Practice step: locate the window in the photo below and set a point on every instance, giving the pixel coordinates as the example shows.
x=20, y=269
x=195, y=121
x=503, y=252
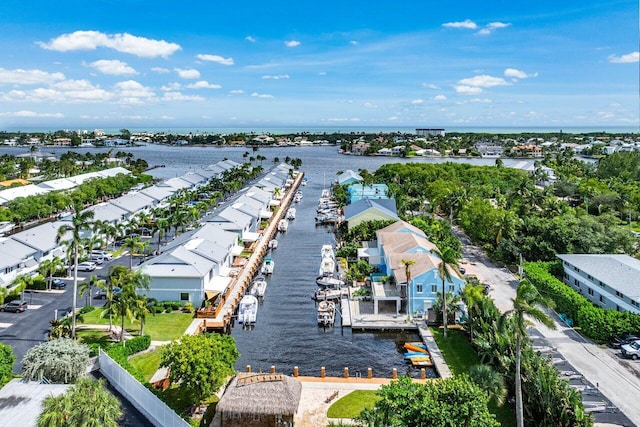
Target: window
x=434, y=289
x=619, y=295
x=576, y=283
x=601, y=298
x=635, y=303
x=600, y=283
x=590, y=291
x=184, y=296
x=419, y=288
x=451, y=288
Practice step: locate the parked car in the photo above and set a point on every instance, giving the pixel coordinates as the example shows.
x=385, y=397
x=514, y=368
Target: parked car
x=87, y=266
x=97, y=259
x=104, y=254
x=15, y=306
x=58, y=284
x=102, y=294
x=631, y=350
x=622, y=339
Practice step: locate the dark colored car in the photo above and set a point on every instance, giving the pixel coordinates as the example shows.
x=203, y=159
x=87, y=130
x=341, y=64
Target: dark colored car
x=58, y=284
x=15, y=306
x=622, y=339
x=102, y=294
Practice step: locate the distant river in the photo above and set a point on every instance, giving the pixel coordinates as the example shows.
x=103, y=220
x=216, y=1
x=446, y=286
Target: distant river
x=287, y=334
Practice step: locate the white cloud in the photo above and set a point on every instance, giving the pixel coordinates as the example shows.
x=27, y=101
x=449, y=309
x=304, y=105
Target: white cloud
x=354, y=43
x=164, y=117
x=481, y=100
x=322, y=73
x=215, y=58
x=518, y=74
x=160, y=70
x=491, y=27
x=261, y=95
x=67, y=91
x=250, y=39
x=177, y=96
x=113, y=67
x=370, y=105
x=171, y=87
x=133, y=92
x=483, y=81
x=25, y=113
x=467, y=23
x=393, y=118
x=292, y=43
x=28, y=77
x=439, y=98
x=430, y=86
x=236, y=91
x=203, y=84
x=276, y=77
x=187, y=73
x=344, y=119
x=467, y=90
x=625, y=59
x=417, y=101
x=127, y=43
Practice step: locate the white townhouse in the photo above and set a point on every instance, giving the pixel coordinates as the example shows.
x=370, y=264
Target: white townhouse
x=194, y=268
x=42, y=238
x=608, y=280
x=159, y=194
x=133, y=203
x=106, y=212
x=15, y=259
x=264, y=197
x=233, y=220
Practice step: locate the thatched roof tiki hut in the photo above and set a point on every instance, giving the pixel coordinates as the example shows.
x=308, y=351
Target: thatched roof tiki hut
x=266, y=400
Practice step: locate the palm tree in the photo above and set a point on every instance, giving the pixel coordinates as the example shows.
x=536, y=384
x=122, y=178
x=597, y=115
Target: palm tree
x=81, y=221
x=125, y=305
x=56, y=411
x=141, y=310
x=472, y=294
x=491, y=381
x=407, y=272
x=528, y=302
x=49, y=267
x=448, y=265
x=133, y=244
x=86, y=287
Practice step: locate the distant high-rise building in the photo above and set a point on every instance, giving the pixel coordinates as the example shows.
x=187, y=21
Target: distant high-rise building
x=430, y=132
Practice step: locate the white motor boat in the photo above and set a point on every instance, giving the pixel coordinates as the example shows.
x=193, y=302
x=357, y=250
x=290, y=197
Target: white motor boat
x=327, y=267
x=273, y=244
x=248, y=310
x=327, y=251
x=291, y=214
x=283, y=225
x=328, y=282
x=326, y=313
x=267, y=266
x=258, y=287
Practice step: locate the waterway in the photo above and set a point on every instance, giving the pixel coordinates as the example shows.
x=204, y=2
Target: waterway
x=286, y=333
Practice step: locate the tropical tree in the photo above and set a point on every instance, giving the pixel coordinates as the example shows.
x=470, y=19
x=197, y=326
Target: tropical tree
x=407, y=263
x=49, y=267
x=126, y=304
x=60, y=361
x=88, y=403
x=200, y=363
x=527, y=303
x=446, y=268
x=86, y=287
x=472, y=294
x=7, y=359
x=491, y=381
x=133, y=244
x=80, y=222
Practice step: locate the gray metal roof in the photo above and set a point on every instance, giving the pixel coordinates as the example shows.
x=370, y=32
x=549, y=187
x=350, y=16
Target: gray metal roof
x=229, y=214
x=621, y=272
x=133, y=202
x=107, y=212
x=385, y=206
x=12, y=249
x=158, y=193
x=41, y=237
x=22, y=402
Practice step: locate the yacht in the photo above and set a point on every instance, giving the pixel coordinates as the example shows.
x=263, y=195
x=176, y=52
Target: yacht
x=248, y=310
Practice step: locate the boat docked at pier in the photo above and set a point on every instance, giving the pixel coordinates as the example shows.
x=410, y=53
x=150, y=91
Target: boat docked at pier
x=291, y=214
x=327, y=267
x=327, y=282
x=267, y=266
x=297, y=197
x=326, y=313
x=273, y=244
x=248, y=310
x=258, y=287
x=327, y=251
x=329, y=294
x=283, y=225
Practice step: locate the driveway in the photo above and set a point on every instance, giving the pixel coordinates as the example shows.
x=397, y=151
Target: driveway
x=615, y=378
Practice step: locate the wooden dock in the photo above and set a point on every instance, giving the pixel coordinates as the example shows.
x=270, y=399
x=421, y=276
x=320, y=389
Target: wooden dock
x=220, y=319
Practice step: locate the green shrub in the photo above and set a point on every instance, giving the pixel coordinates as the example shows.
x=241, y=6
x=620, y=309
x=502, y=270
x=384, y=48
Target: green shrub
x=38, y=283
x=87, y=309
x=157, y=309
x=7, y=359
x=597, y=323
x=169, y=309
x=138, y=344
x=176, y=305
x=60, y=361
x=188, y=307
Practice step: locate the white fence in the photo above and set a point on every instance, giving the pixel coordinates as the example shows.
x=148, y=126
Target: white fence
x=154, y=409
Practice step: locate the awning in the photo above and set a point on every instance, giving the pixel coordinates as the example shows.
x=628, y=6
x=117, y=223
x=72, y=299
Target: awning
x=209, y=295
x=28, y=263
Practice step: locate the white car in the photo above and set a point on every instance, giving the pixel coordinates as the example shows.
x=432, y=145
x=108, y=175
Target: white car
x=104, y=254
x=87, y=266
x=631, y=350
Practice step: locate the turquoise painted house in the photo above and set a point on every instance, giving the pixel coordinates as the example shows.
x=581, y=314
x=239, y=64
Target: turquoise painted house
x=402, y=241
x=373, y=191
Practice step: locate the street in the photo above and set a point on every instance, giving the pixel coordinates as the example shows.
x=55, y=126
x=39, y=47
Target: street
x=617, y=379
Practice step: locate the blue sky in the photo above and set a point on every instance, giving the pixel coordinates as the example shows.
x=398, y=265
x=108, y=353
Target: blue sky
x=204, y=64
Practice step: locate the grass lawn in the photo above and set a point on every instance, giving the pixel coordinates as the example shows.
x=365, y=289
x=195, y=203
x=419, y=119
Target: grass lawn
x=161, y=327
x=148, y=363
x=460, y=356
x=352, y=404
x=91, y=336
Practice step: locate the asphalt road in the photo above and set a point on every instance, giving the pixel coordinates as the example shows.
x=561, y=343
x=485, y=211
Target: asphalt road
x=617, y=379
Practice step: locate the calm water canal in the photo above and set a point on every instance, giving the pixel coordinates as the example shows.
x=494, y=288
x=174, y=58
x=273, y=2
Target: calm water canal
x=286, y=333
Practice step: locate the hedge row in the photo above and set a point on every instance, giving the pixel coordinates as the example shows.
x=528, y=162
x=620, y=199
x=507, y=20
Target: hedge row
x=120, y=353
x=597, y=323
